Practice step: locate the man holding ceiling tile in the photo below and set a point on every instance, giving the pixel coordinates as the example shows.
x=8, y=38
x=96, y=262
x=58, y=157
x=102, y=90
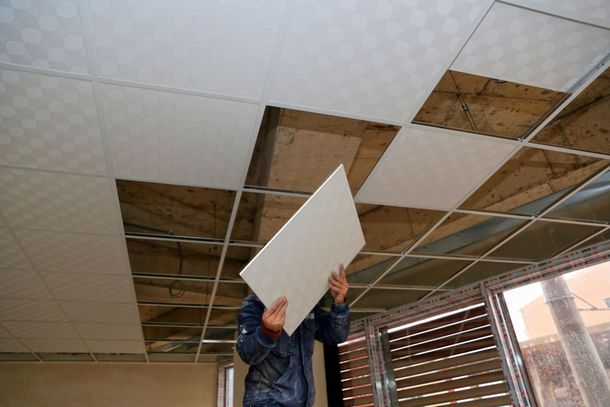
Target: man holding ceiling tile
x=280, y=371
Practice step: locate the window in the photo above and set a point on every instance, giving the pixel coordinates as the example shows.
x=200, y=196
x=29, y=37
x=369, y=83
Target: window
x=562, y=327
x=448, y=358
x=225, y=385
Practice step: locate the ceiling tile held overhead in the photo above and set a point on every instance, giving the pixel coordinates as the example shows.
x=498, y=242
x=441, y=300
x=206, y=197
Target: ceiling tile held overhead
x=490, y=106
x=49, y=122
x=532, y=48
x=43, y=34
x=182, y=139
x=11, y=256
x=214, y=46
x=59, y=202
x=433, y=169
x=371, y=59
x=22, y=284
x=77, y=253
x=584, y=124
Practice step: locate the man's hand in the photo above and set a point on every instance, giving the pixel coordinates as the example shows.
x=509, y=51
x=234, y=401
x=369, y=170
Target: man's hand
x=338, y=285
x=274, y=317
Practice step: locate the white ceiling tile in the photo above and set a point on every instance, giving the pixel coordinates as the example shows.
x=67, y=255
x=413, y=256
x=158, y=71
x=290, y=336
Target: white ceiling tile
x=114, y=332
x=11, y=256
x=49, y=122
x=90, y=287
x=10, y=345
x=70, y=252
x=62, y=202
x=428, y=168
x=44, y=34
x=27, y=310
x=524, y=46
x=162, y=136
x=599, y=9
x=378, y=59
x=101, y=313
x=97, y=346
x=214, y=45
x=55, y=345
x=22, y=284
x=48, y=330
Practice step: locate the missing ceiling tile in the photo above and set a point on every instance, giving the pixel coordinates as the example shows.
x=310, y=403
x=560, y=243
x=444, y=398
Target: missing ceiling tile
x=584, y=124
x=296, y=150
x=475, y=103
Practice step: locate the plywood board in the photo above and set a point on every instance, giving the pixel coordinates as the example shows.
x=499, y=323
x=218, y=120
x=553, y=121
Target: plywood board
x=297, y=261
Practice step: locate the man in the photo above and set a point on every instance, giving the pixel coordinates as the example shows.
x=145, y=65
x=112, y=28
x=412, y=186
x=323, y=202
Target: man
x=280, y=371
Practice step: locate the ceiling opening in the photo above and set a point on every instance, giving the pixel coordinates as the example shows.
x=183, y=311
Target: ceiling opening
x=490, y=106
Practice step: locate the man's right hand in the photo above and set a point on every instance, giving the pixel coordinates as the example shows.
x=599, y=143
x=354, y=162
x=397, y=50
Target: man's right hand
x=274, y=317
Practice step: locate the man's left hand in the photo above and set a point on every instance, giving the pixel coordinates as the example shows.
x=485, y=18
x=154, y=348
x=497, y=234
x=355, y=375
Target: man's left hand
x=337, y=282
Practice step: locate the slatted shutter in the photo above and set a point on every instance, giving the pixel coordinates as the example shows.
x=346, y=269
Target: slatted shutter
x=355, y=373
x=447, y=359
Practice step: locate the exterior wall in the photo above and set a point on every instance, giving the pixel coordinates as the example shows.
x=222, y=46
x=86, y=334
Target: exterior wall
x=105, y=384
x=319, y=376
x=593, y=285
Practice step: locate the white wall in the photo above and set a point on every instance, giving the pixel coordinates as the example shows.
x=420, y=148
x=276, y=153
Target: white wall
x=106, y=384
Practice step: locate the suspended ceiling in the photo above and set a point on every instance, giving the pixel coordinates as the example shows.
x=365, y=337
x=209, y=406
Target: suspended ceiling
x=147, y=152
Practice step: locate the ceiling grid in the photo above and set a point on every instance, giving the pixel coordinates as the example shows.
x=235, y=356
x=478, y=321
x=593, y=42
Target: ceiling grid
x=81, y=62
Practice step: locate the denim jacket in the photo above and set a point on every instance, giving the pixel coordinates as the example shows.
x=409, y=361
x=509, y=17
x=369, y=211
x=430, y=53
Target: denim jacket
x=271, y=360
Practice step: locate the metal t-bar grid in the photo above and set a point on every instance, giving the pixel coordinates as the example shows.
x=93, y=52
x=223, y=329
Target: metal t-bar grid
x=262, y=105
x=576, y=90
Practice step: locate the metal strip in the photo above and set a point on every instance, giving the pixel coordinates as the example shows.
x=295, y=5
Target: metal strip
x=376, y=369
x=505, y=350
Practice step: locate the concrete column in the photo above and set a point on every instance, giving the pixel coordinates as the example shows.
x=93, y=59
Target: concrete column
x=586, y=365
